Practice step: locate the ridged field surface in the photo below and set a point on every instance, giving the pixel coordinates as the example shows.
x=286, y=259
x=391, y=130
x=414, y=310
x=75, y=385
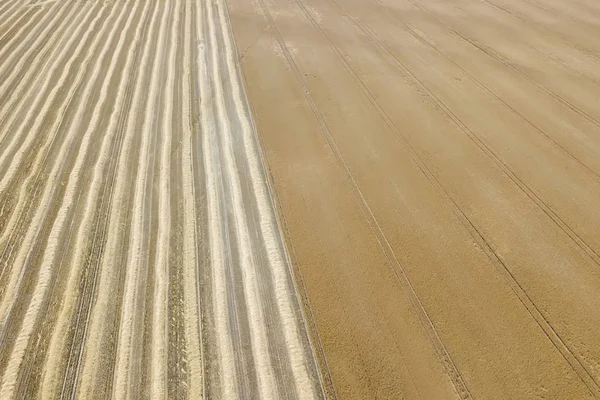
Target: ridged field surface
x=140, y=254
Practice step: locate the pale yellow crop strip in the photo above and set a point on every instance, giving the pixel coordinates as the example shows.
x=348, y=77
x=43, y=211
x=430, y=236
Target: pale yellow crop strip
x=247, y=264
x=8, y=299
x=35, y=70
x=226, y=362
x=16, y=358
x=38, y=31
x=160, y=337
x=130, y=318
x=109, y=268
x=53, y=371
x=19, y=100
x=194, y=361
x=7, y=7
x=271, y=234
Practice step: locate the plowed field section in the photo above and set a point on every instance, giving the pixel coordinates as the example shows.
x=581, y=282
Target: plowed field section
x=437, y=170
x=140, y=252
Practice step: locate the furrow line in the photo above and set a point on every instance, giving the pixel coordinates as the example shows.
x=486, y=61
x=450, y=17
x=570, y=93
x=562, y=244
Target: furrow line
x=57, y=287
x=317, y=348
x=7, y=8
x=59, y=74
x=142, y=375
x=70, y=195
x=96, y=252
x=176, y=368
x=247, y=261
x=17, y=225
x=159, y=341
x=37, y=31
x=589, y=54
x=237, y=305
x=19, y=20
x=104, y=311
x=218, y=261
x=274, y=335
x=587, y=51
x=19, y=89
x=483, y=86
x=39, y=98
x=272, y=236
x=130, y=326
x=90, y=137
x=194, y=352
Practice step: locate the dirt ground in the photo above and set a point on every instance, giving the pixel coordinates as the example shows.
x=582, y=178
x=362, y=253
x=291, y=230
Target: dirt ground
x=437, y=171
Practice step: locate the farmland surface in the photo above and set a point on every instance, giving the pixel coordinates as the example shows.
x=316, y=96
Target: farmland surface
x=437, y=169
x=140, y=254
x=299, y=199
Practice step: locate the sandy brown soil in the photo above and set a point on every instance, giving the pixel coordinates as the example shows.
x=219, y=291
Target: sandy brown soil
x=437, y=169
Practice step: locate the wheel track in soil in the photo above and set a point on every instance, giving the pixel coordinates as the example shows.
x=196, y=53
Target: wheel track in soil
x=573, y=359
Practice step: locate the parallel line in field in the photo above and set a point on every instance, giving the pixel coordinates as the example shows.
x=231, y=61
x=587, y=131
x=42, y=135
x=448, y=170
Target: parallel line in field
x=325, y=377
x=37, y=31
x=176, y=385
x=271, y=234
x=159, y=342
x=7, y=10
x=492, y=53
x=16, y=25
x=534, y=311
x=593, y=255
x=574, y=360
x=90, y=136
x=194, y=357
x=19, y=89
x=586, y=53
x=449, y=365
x=218, y=259
x=130, y=326
x=65, y=272
x=96, y=254
x=258, y=339
x=483, y=86
x=34, y=121
x=43, y=275
x=143, y=385
x=86, y=262
x=109, y=283
x=17, y=226
x=254, y=300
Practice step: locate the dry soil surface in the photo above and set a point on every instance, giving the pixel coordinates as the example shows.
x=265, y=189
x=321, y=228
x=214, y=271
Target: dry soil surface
x=437, y=170
x=140, y=253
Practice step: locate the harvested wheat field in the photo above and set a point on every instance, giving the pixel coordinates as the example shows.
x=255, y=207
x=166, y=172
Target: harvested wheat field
x=299, y=199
